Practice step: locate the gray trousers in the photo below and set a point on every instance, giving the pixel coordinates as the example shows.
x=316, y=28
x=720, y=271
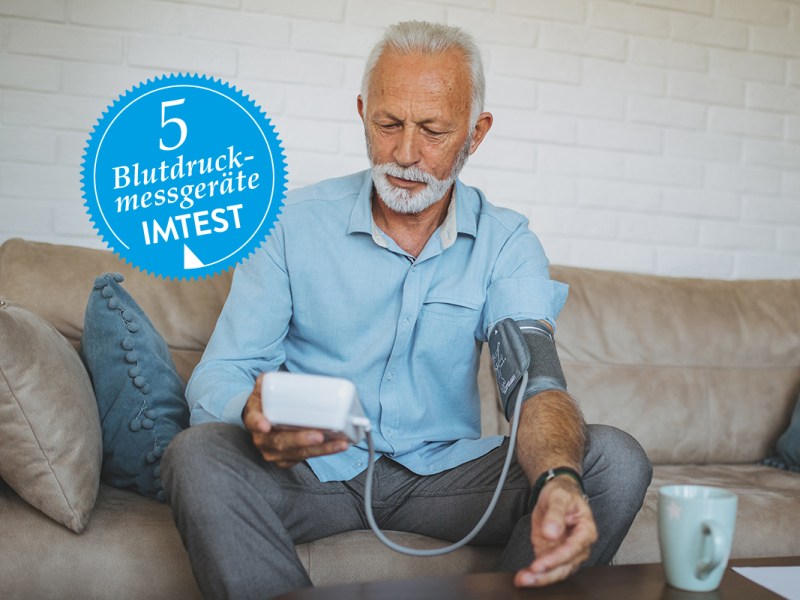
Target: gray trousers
x=240, y=517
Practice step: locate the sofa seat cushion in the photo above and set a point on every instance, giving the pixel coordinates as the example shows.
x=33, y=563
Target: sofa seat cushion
x=130, y=550
x=132, y=547
x=767, y=515
x=357, y=556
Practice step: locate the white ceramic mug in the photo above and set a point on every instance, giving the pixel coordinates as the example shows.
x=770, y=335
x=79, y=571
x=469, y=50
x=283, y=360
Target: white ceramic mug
x=695, y=531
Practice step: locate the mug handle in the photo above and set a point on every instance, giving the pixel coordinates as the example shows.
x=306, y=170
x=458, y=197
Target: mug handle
x=709, y=563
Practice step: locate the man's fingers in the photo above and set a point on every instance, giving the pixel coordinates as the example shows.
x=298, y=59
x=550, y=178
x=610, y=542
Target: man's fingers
x=297, y=454
x=256, y=422
x=573, y=550
x=253, y=414
x=571, y=553
x=286, y=440
x=558, y=564
x=553, y=524
x=554, y=520
x=527, y=578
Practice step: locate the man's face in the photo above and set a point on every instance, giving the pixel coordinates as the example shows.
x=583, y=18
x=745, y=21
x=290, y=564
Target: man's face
x=417, y=127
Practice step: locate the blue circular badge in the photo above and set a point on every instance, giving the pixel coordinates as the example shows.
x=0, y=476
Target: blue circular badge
x=184, y=176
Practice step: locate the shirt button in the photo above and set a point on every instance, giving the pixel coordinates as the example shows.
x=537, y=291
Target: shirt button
x=413, y=267
x=390, y=376
x=389, y=434
x=406, y=322
x=359, y=465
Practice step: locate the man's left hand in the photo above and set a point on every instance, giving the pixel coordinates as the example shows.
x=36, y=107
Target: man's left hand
x=562, y=534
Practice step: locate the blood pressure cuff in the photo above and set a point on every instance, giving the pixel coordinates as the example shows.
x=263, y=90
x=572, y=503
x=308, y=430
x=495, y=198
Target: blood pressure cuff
x=524, y=346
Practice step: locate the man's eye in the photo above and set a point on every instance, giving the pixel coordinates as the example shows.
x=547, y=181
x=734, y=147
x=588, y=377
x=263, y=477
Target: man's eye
x=433, y=133
x=388, y=126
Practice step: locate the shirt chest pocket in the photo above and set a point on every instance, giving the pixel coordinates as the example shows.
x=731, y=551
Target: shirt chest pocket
x=450, y=308
x=448, y=321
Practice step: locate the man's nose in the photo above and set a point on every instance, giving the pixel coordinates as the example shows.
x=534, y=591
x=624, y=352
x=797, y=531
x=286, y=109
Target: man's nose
x=407, y=151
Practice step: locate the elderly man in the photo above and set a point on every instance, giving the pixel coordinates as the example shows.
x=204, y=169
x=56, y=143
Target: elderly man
x=392, y=278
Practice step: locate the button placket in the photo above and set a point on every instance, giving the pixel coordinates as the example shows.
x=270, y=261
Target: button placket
x=390, y=413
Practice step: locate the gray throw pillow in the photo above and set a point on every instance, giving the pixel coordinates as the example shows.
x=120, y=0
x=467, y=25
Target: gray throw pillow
x=50, y=448
x=139, y=394
x=787, y=450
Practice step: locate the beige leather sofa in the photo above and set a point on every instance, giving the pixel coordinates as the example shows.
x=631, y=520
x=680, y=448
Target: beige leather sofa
x=703, y=373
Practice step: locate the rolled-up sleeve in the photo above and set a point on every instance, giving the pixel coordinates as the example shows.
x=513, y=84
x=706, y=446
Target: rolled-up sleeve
x=248, y=338
x=521, y=287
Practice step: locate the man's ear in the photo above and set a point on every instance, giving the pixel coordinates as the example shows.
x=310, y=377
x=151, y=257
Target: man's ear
x=360, y=104
x=482, y=127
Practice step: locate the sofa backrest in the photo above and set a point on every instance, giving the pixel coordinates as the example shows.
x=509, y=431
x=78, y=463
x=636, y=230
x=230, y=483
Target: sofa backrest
x=54, y=281
x=697, y=370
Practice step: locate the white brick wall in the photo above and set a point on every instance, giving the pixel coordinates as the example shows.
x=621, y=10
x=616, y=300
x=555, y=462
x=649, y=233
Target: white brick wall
x=580, y=39
x=658, y=136
x=668, y=54
x=541, y=65
x=631, y=19
x=58, y=42
x=43, y=10
x=318, y=10
x=143, y=16
x=709, y=31
x=746, y=66
x=546, y=10
x=767, y=12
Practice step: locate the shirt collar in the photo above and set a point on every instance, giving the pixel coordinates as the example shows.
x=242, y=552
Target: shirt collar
x=361, y=215
x=460, y=218
x=466, y=210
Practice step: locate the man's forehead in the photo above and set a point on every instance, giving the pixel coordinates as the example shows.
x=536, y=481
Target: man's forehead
x=423, y=79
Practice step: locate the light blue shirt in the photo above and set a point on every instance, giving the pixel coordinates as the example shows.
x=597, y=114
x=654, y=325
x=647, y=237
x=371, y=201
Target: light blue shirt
x=328, y=293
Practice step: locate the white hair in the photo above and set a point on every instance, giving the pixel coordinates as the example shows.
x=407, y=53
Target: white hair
x=411, y=37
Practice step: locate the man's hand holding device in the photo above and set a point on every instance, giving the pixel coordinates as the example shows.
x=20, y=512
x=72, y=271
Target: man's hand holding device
x=282, y=444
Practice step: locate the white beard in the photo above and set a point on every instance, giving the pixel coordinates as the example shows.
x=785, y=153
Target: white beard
x=404, y=201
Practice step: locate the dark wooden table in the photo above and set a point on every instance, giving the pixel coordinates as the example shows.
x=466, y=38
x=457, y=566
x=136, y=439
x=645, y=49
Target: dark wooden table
x=635, y=582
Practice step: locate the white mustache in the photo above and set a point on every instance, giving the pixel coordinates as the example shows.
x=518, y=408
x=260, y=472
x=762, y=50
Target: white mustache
x=412, y=173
